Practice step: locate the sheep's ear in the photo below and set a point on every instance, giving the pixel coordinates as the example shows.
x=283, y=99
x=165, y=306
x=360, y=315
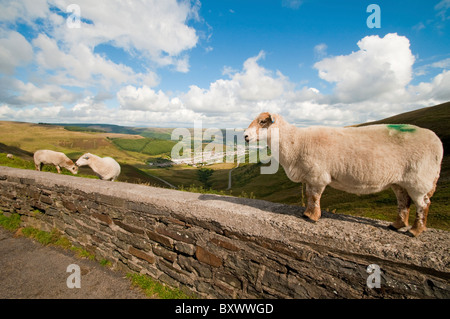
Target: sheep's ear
x=270, y=119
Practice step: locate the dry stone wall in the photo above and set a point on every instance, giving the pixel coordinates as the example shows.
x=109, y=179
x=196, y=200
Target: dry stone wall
x=225, y=247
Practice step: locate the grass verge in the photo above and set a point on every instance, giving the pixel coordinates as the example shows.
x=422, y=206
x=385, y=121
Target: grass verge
x=154, y=289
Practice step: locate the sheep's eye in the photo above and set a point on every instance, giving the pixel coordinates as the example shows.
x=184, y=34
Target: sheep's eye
x=86, y=157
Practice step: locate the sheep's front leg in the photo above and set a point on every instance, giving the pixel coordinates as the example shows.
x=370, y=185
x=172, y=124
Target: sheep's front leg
x=313, y=194
x=58, y=169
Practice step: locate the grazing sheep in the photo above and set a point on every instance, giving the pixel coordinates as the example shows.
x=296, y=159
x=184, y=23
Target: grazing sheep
x=10, y=156
x=106, y=168
x=54, y=158
x=360, y=160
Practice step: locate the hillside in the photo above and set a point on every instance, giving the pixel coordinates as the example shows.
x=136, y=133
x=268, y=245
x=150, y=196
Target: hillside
x=31, y=137
x=150, y=132
x=435, y=118
x=23, y=139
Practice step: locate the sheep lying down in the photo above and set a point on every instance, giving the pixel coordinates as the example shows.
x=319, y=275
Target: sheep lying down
x=360, y=160
x=57, y=159
x=106, y=168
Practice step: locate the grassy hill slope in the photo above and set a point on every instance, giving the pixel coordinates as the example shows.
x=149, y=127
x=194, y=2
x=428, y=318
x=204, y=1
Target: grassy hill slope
x=435, y=118
x=31, y=137
x=23, y=139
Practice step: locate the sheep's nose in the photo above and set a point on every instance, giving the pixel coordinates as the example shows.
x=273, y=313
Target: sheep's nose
x=246, y=138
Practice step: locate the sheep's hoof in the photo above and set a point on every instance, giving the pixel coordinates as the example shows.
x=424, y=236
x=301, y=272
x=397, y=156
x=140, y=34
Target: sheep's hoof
x=313, y=216
x=416, y=231
x=397, y=225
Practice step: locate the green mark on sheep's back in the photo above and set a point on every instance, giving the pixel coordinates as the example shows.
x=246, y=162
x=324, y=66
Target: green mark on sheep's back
x=401, y=127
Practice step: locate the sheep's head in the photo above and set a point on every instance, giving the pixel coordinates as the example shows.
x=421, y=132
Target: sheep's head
x=84, y=160
x=72, y=167
x=257, y=129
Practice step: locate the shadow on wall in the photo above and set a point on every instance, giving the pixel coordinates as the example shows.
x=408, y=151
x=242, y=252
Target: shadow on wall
x=296, y=211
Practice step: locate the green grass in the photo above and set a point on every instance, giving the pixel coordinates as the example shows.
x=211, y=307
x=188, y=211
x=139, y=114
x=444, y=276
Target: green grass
x=18, y=162
x=149, y=146
x=53, y=238
x=155, y=289
x=134, y=145
x=11, y=223
x=157, y=147
x=83, y=129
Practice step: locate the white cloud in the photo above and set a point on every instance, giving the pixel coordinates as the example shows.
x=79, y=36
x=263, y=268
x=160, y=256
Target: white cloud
x=293, y=4
x=442, y=8
x=250, y=88
x=31, y=114
x=146, y=99
x=80, y=66
x=24, y=11
x=17, y=93
x=442, y=64
x=257, y=83
x=219, y=98
x=160, y=39
x=425, y=69
x=64, y=59
x=155, y=29
x=369, y=84
x=381, y=66
x=14, y=51
x=320, y=51
x=437, y=90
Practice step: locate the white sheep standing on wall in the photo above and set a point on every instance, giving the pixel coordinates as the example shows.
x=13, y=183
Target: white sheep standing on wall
x=57, y=159
x=360, y=160
x=106, y=168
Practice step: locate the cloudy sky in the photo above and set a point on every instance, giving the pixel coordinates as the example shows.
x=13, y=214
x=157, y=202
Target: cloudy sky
x=169, y=63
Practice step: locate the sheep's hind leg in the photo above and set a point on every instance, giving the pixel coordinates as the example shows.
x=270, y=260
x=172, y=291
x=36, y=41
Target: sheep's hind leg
x=404, y=202
x=423, y=203
x=313, y=194
x=422, y=206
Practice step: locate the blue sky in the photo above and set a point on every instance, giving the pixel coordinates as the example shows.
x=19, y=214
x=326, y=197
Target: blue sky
x=170, y=63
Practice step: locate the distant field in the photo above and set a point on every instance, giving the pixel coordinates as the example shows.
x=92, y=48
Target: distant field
x=83, y=129
x=149, y=146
